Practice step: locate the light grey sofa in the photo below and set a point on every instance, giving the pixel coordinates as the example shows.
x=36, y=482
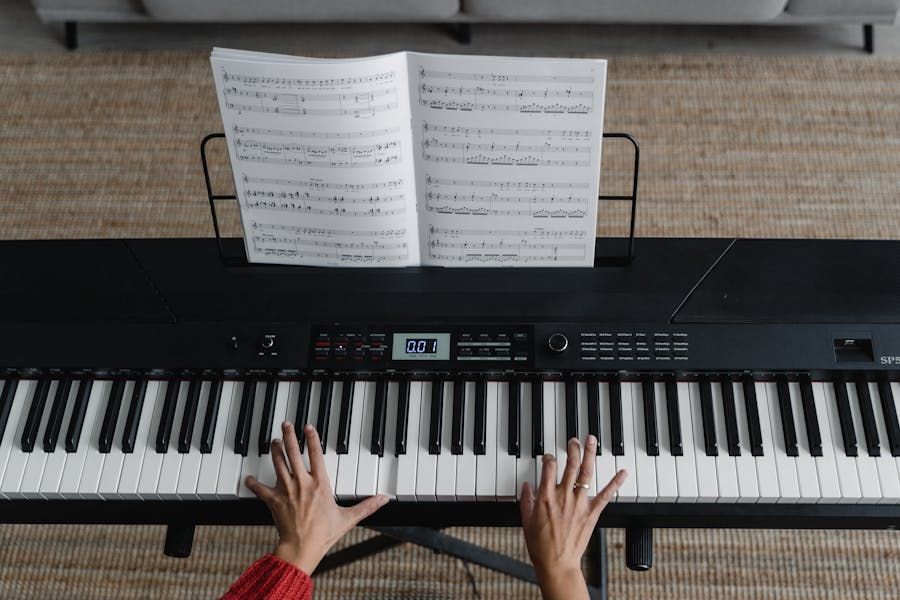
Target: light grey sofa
x=465, y=12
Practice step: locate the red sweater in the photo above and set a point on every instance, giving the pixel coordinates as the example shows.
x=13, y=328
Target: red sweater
x=270, y=578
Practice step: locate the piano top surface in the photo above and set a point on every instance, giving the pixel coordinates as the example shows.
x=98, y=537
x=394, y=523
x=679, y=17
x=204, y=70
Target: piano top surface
x=150, y=280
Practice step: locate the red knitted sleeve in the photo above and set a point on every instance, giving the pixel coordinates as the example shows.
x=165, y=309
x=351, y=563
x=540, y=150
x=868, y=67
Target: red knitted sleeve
x=271, y=578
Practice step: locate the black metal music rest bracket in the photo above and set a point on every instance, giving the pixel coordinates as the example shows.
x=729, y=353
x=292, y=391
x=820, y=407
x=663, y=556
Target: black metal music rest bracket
x=617, y=260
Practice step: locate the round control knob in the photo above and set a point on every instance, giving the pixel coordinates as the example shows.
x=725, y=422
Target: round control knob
x=558, y=342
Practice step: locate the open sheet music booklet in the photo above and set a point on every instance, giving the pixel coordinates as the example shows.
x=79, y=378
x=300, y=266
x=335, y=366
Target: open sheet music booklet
x=414, y=159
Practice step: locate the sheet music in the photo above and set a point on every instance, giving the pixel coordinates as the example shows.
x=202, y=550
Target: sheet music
x=322, y=156
x=507, y=158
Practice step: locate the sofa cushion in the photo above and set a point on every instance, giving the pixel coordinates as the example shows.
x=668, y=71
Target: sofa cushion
x=94, y=10
x=836, y=8
x=302, y=10
x=625, y=11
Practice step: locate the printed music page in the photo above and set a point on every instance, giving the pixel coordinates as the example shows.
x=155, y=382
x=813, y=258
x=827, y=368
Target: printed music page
x=322, y=157
x=507, y=155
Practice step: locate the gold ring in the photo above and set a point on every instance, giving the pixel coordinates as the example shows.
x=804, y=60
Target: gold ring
x=583, y=486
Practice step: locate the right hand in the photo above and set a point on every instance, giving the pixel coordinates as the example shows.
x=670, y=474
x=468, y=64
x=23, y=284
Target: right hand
x=558, y=521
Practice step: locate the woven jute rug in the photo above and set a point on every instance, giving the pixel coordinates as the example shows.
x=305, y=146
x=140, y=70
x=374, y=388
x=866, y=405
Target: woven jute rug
x=106, y=145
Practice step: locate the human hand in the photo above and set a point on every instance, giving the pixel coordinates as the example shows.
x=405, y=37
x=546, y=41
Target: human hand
x=308, y=519
x=558, y=521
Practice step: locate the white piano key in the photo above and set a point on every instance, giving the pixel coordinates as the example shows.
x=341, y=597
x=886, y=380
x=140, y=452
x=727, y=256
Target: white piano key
x=250, y=463
x=785, y=466
x=37, y=459
x=466, y=464
x=389, y=462
x=76, y=461
x=93, y=462
x=895, y=392
x=766, y=469
x=171, y=463
x=525, y=462
x=605, y=464
x=561, y=451
x=826, y=469
x=345, y=484
x=426, y=465
x=407, y=463
x=505, y=462
x=229, y=480
x=848, y=476
x=208, y=479
x=666, y=472
x=56, y=460
x=445, y=483
x=548, y=419
x=685, y=465
x=488, y=477
x=726, y=476
x=707, y=479
x=745, y=464
x=628, y=491
x=886, y=464
x=331, y=457
x=644, y=464
x=284, y=391
x=806, y=464
x=15, y=458
x=581, y=392
x=13, y=432
x=866, y=467
x=367, y=465
x=115, y=459
x=315, y=388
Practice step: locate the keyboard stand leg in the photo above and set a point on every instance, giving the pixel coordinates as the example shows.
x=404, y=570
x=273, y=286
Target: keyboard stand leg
x=598, y=584
x=179, y=540
x=356, y=552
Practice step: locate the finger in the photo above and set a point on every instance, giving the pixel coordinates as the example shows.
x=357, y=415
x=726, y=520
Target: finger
x=316, y=458
x=282, y=473
x=573, y=461
x=360, y=511
x=292, y=449
x=526, y=504
x=606, y=494
x=586, y=471
x=262, y=491
x=548, y=474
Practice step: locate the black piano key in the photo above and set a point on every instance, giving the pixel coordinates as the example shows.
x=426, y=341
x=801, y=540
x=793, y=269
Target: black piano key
x=537, y=417
x=167, y=416
x=480, y=433
x=787, y=415
x=731, y=427
x=76, y=421
x=210, y=416
x=888, y=409
x=189, y=416
x=304, y=388
x=268, y=413
x=752, y=408
x=6, y=400
x=379, y=417
x=402, y=416
x=810, y=417
x=848, y=432
x=674, y=417
x=437, y=410
x=245, y=416
x=57, y=411
x=133, y=418
x=571, y=388
x=513, y=447
x=457, y=427
x=111, y=416
x=706, y=411
x=593, y=409
x=346, y=414
x=35, y=412
x=322, y=422
x=615, y=416
x=873, y=444
x=649, y=399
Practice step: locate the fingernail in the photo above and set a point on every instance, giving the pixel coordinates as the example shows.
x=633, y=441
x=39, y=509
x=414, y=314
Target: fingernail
x=285, y=424
x=308, y=428
x=383, y=500
x=573, y=439
x=592, y=440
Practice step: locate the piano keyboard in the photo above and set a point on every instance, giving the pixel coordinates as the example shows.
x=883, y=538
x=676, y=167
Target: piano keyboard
x=723, y=438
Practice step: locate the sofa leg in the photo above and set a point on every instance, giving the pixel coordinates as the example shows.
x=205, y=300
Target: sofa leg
x=462, y=33
x=869, y=38
x=71, y=35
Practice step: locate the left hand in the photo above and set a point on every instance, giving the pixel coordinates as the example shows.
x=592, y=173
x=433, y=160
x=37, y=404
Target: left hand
x=308, y=519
